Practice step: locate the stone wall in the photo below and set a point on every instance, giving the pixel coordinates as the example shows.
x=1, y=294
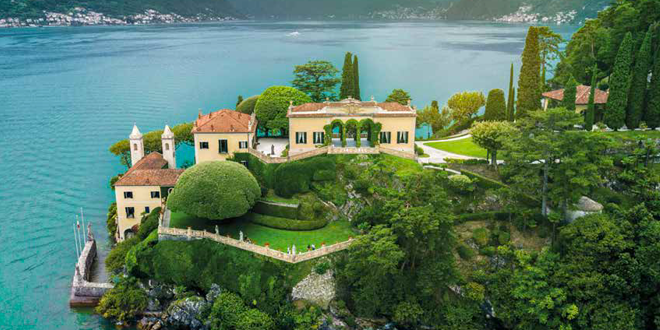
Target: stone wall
x=83, y=292
x=331, y=150
x=353, y=150
x=189, y=234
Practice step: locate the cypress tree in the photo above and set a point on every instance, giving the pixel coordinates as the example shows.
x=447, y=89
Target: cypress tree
x=652, y=113
x=570, y=93
x=529, y=81
x=511, y=112
x=591, y=108
x=356, y=78
x=347, y=76
x=434, y=105
x=240, y=99
x=617, y=101
x=495, y=106
x=643, y=63
x=511, y=98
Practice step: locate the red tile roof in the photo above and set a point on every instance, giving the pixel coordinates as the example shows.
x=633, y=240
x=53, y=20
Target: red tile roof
x=224, y=121
x=582, y=96
x=150, y=171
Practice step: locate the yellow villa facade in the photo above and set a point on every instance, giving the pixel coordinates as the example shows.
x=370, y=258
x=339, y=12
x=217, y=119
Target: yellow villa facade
x=389, y=125
x=220, y=134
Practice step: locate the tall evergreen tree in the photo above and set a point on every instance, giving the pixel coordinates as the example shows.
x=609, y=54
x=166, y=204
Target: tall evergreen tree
x=511, y=111
x=652, y=113
x=495, y=106
x=591, y=108
x=347, y=77
x=529, y=81
x=570, y=93
x=356, y=79
x=643, y=64
x=511, y=98
x=434, y=105
x=239, y=100
x=617, y=101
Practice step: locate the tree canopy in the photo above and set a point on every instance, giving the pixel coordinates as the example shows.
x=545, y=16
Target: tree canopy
x=316, y=79
x=617, y=102
x=529, y=80
x=347, y=87
x=215, y=190
x=495, y=106
x=247, y=106
x=399, y=96
x=492, y=136
x=273, y=104
x=465, y=105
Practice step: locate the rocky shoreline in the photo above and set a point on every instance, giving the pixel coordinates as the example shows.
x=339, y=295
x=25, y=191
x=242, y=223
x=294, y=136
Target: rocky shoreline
x=80, y=16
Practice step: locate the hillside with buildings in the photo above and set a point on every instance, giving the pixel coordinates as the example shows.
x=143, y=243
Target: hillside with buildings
x=18, y=13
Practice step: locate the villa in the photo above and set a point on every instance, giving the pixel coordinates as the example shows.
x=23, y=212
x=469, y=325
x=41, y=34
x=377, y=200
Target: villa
x=581, y=99
x=389, y=124
x=349, y=126
x=146, y=184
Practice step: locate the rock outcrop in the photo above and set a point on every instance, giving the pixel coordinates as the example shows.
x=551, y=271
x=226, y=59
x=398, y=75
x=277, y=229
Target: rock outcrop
x=316, y=289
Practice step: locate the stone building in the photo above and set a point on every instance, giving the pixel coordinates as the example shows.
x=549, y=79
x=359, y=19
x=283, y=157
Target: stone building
x=146, y=184
x=352, y=123
x=220, y=134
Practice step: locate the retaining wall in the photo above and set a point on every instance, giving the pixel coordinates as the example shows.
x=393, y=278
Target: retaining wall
x=189, y=234
x=83, y=292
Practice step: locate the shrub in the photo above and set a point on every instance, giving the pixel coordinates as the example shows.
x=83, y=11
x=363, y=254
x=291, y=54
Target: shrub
x=480, y=236
x=503, y=238
x=111, y=222
x=276, y=210
x=117, y=257
x=124, y=301
x=362, y=185
x=488, y=251
x=149, y=223
x=272, y=106
x=287, y=224
x=324, y=175
x=295, y=177
x=418, y=150
x=226, y=310
x=493, y=215
x=467, y=161
x=461, y=184
x=322, y=267
x=247, y=106
x=254, y=319
x=215, y=190
x=262, y=171
x=465, y=252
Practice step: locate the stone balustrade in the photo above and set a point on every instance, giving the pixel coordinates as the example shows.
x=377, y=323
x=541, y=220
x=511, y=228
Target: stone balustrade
x=353, y=150
x=331, y=150
x=190, y=234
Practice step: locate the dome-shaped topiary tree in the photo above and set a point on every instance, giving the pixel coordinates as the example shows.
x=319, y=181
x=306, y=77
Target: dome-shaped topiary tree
x=273, y=104
x=215, y=190
x=247, y=106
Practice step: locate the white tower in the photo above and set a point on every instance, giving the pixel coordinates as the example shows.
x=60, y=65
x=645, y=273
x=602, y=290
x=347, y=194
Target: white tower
x=137, y=145
x=169, y=147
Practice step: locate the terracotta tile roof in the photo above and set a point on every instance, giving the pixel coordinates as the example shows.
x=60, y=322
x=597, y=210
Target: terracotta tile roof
x=150, y=171
x=224, y=121
x=161, y=178
x=582, y=97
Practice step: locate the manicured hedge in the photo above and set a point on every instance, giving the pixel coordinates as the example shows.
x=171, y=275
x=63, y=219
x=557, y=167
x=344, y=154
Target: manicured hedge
x=263, y=172
x=295, y=177
x=324, y=175
x=287, y=224
x=275, y=210
x=247, y=106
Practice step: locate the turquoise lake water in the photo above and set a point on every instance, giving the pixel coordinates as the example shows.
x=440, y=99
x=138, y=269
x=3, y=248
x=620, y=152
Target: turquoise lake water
x=66, y=94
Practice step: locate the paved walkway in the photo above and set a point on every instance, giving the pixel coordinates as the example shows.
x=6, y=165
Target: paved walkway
x=438, y=156
x=266, y=145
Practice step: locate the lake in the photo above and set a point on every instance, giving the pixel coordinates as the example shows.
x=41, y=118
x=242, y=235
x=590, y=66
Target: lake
x=66, y=94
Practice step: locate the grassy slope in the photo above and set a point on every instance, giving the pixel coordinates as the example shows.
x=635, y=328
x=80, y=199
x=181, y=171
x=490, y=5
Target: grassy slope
x=463, y=147
x=334, y=232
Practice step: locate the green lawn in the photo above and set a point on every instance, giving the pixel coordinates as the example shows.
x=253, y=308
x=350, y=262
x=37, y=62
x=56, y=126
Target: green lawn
x=334, y=232
x=403, y=166
x=463, y=147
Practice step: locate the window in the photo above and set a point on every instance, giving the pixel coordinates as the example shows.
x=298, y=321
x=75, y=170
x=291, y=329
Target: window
x=128, y=194
x=244, y=162
x=319, y=137
x=135, y=146
x=155, y=194
x=222, y=146
x=242, y=145
x=203, y=145
x=301, y=137
x=147, y=209
x=385, y=137
x=402, y=137
x=167, y=146
x=130, y=212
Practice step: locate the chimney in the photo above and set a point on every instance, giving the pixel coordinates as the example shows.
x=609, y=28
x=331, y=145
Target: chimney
x=200, y=114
